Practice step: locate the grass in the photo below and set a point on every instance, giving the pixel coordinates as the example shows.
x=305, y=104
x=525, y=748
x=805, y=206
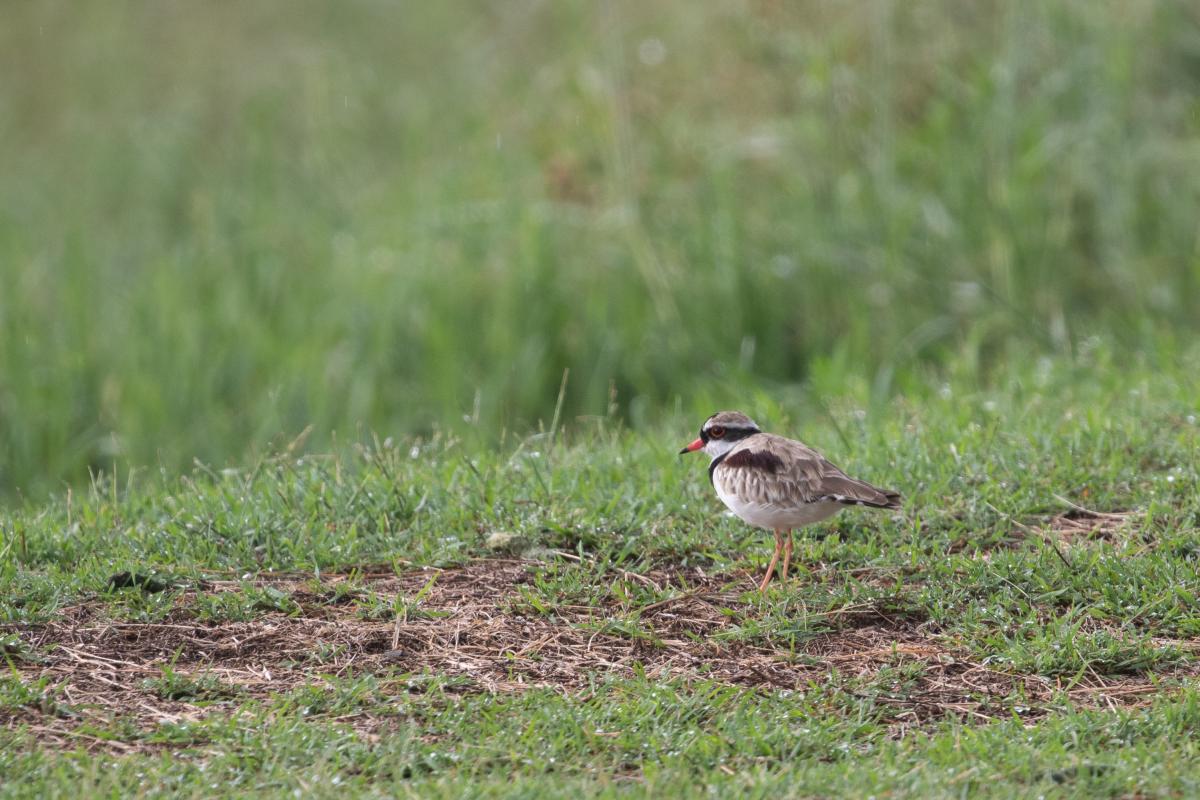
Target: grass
x=989, y=639
x=344, y=357
x=541, y=743
x=219, y=228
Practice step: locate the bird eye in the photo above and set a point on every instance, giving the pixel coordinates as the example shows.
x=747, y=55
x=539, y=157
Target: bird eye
x=716, y=431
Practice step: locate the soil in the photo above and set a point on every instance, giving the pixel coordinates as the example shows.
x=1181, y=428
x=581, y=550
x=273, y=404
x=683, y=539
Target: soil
x=473, y=625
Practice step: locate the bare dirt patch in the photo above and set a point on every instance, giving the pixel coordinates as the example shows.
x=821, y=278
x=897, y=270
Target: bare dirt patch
x=470, y=625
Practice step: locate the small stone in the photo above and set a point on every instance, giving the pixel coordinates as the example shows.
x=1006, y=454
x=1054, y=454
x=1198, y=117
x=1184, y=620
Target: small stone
x=503, y=540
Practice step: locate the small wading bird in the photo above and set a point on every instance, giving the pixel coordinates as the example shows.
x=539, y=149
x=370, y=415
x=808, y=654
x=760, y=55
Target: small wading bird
x=777, y=483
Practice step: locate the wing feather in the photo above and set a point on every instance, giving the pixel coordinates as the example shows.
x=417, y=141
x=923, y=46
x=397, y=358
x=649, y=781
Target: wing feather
x=772, y=471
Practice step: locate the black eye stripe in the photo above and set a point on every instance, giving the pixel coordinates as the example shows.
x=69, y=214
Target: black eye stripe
x=730, y=433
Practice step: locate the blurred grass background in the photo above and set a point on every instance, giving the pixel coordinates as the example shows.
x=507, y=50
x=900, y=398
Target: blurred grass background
x=221, y=223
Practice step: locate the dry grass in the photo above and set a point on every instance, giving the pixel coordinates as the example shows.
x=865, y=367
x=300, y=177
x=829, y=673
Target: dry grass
x=1078, y=526
x=469, y=627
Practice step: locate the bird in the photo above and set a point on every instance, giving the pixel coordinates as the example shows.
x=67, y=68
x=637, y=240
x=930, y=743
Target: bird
x=777, y=483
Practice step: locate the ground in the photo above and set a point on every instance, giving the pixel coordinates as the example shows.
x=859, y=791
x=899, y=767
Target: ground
x=474, y=627
x=577, y=616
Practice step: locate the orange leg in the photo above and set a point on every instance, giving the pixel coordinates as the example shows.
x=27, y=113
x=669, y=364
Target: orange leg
x=787, y=556
x=762, y=587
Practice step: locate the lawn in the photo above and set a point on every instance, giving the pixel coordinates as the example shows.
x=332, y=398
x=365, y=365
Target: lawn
x=346, y=351
x=573, y=614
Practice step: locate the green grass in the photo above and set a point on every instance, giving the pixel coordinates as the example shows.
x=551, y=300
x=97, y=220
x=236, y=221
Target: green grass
x=219, y=227
x=966, y=562
x=632, y=738
x=306, y=310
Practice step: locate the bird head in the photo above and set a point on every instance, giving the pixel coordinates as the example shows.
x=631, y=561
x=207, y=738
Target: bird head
x=721, y=432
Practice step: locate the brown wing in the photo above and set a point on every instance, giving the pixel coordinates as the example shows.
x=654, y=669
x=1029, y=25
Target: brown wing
x=771, y=470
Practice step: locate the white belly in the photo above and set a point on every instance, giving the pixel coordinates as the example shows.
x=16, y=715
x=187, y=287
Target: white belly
x=777, y=517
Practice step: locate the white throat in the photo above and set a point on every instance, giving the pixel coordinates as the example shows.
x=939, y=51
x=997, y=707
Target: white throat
x=715, y=448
